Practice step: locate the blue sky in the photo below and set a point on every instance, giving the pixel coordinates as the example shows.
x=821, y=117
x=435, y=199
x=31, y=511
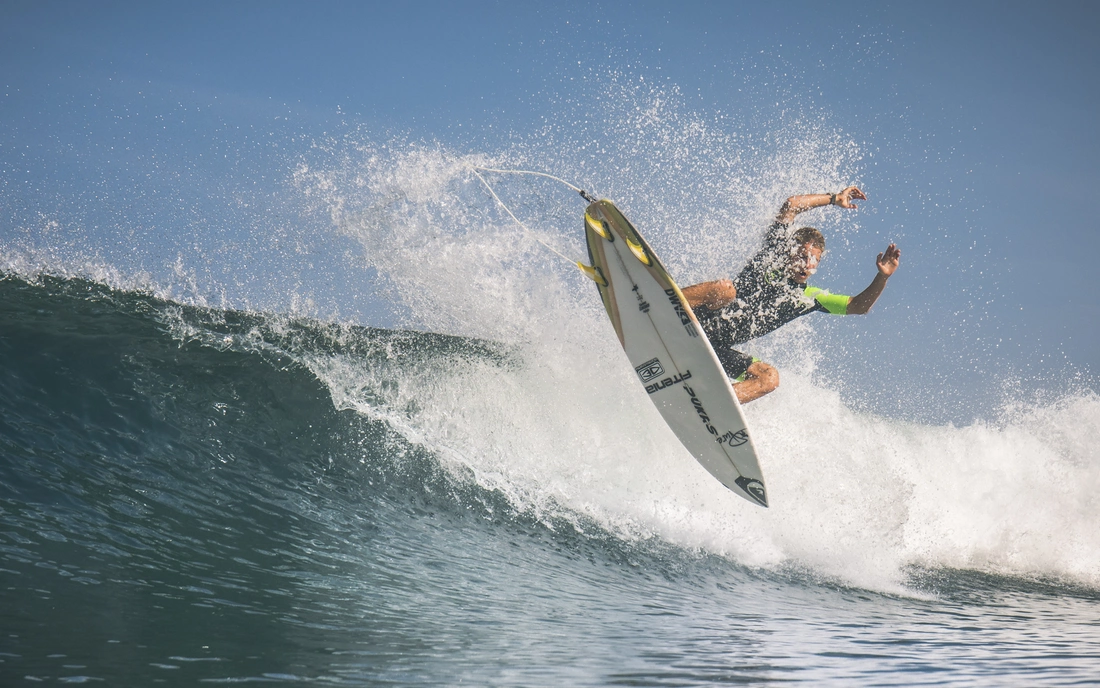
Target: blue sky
x=147, y=123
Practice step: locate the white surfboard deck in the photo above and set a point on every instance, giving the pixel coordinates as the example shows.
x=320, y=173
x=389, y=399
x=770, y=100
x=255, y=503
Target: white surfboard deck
x=670, y=353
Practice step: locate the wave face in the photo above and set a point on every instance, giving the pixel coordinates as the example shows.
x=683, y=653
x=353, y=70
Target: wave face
x=190, y=493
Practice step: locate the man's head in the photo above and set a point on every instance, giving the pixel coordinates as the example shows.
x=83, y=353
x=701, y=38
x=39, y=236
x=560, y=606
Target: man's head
x=807, y=247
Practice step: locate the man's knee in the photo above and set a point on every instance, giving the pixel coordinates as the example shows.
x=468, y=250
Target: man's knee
x=725, y=290
x=768, y=376
x=760, y=379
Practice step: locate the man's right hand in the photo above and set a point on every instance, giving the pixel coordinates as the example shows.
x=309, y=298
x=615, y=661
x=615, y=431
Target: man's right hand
x=844, y=198
x=799, y=204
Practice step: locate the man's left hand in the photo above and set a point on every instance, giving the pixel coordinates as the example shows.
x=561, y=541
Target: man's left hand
x=888, y=261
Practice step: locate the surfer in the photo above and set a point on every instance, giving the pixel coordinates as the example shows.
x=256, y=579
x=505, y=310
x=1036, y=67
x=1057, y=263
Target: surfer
x=772, y=290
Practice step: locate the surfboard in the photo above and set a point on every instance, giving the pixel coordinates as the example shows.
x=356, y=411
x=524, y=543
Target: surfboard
x=672, y=357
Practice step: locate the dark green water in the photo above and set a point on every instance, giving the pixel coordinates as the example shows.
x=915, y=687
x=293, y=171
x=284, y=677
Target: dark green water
x=182, y=501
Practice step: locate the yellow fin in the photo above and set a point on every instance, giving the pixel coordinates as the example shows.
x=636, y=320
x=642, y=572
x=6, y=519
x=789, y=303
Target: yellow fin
x=595, y=274
x=638, y=252
x=597, y=226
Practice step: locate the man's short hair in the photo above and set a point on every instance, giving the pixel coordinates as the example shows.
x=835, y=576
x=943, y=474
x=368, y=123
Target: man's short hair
x=809, y=235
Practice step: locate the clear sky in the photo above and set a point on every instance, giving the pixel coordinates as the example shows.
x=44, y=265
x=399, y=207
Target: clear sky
x=133, y=132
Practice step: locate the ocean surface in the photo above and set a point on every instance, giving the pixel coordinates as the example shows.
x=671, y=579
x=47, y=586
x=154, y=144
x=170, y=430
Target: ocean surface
x=195, y=495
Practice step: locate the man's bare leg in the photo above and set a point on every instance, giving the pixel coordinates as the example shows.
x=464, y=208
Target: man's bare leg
x=714, y=295
x=760, y=379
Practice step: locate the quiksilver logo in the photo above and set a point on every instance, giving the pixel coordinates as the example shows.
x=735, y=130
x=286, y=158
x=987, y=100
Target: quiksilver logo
x=753, y=488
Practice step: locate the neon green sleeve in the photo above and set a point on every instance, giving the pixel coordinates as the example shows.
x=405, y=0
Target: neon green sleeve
x=837, y=304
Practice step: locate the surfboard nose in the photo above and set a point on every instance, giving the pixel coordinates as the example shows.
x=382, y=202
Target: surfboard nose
x=753, y=488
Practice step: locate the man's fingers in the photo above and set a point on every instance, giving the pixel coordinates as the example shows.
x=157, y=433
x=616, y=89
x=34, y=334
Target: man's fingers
x=849, y=194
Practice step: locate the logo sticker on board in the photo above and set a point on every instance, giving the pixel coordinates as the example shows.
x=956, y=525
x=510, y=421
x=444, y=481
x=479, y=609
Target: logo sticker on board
x=650, y=369
x=754, y=489
x=735, y=439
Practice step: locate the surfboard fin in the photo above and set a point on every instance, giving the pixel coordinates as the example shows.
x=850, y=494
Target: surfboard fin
x=597, y=226
x=595, y=274
x=638, y=252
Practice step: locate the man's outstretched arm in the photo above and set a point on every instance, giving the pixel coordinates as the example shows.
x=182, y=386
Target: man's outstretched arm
x=887, y=263
x=798, y=204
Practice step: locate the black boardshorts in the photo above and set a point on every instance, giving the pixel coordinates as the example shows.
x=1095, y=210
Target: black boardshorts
x=733, y=361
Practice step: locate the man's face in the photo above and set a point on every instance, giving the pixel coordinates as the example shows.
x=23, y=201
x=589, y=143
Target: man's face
x=804, y=260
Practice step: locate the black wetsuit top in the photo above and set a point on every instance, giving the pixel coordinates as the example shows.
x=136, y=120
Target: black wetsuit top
x=766, y=300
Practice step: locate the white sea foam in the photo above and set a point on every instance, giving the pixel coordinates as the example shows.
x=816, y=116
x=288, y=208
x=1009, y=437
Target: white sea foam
x=853, y=495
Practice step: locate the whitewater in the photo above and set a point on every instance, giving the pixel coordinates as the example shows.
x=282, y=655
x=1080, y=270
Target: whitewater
x=197, y=484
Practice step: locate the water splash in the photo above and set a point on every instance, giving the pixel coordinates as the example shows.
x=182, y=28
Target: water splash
x=857, y=497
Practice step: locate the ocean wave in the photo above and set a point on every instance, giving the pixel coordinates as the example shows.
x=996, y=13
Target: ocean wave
x=122, y=388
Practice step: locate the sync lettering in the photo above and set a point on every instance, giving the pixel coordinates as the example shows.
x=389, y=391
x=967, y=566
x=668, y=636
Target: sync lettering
x=685, y=318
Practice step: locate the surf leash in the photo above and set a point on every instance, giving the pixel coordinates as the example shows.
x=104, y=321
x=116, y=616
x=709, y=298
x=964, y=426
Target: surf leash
x=584, y=194
x=586, y=269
